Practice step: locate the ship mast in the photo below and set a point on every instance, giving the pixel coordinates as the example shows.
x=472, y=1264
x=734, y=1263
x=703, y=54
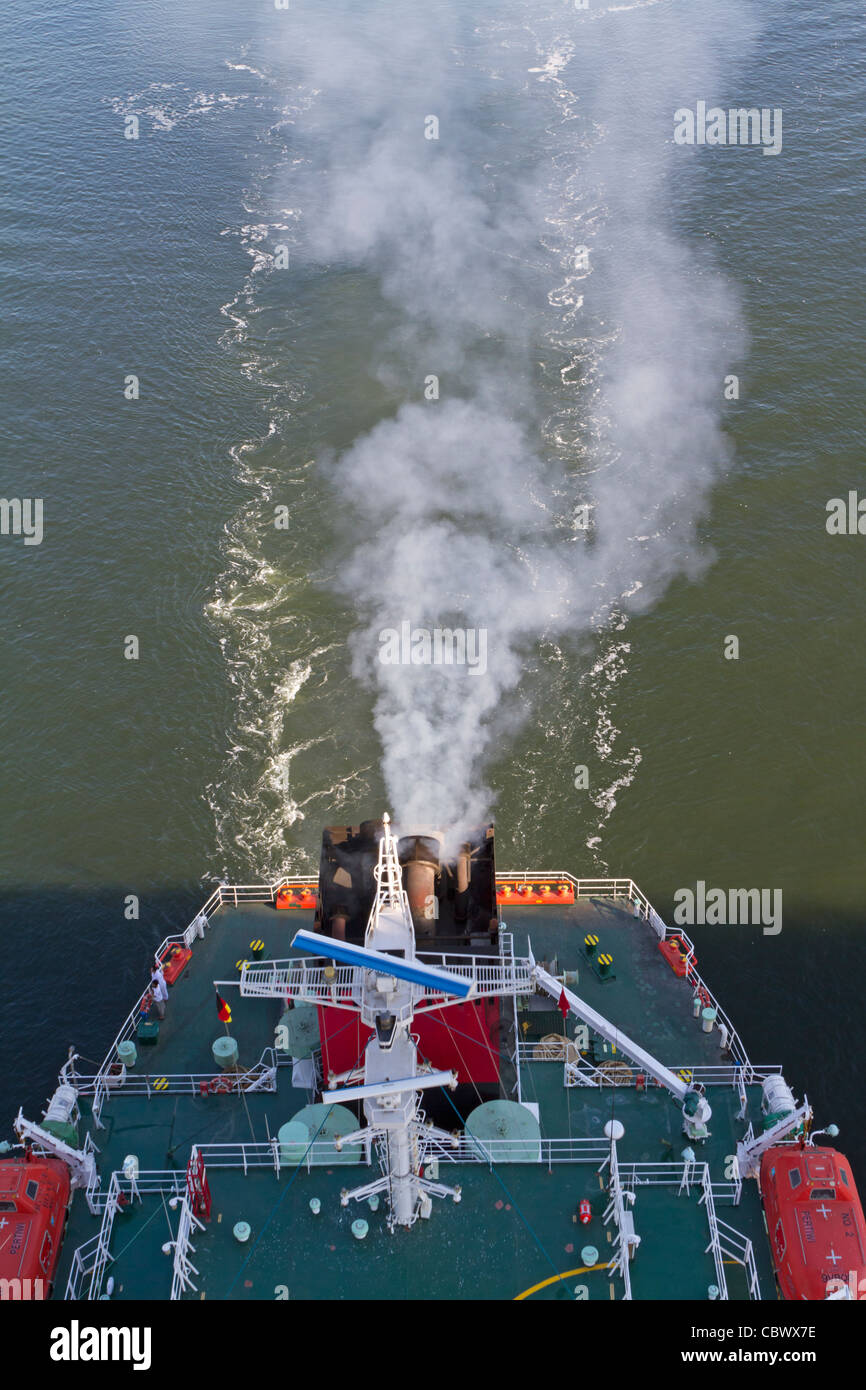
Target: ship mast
x=391, y=1092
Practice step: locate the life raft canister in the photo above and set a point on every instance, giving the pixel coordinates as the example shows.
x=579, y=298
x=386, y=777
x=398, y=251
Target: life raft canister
x=296, y=895
x=537, y=893
x=174, y=962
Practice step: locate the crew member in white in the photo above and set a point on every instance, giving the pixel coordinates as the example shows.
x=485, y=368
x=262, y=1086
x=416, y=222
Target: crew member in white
x=160, y=990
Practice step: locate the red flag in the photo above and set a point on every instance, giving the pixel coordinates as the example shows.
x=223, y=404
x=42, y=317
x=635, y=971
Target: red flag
x=225, y=1013
x=563, y=1006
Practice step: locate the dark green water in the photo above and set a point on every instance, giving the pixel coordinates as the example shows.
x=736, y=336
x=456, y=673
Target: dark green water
x=253, y=716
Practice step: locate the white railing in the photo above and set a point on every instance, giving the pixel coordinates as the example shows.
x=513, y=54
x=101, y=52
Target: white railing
x=715, y=1243
x=312, y=978
x=741, y=1092
x=506, y=956
x=182, y=1265
x=668, y=1174
x=260, y=1077
x=739, y=1248
x=626, y=1237
x=464, y=1149
x=83, y=1258
x=726, y=1242
x=101, y=1254
x=583, y=887
x=238, y=893
x=320, y=1153
x=153, y=1181
x=91, y=1191
x=711, y=1074
x=246, y=1156
x=297, y=978
x=469, y=1149
x=92, y=1257
x=730, y=1191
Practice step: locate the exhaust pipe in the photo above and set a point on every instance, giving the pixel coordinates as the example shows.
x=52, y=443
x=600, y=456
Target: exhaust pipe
x=420, y=859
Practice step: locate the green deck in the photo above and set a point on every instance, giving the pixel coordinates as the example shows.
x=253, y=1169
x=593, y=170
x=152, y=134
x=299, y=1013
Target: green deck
x=515, y=1227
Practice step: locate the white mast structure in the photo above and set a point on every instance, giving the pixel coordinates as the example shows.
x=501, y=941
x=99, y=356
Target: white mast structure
x=387, y=984
x=392, y=1082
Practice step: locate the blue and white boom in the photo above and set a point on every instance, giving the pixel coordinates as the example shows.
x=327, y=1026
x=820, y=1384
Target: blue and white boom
x=416, y=972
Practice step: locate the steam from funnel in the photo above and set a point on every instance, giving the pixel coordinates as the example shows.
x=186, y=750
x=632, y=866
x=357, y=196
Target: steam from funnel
x=465, y=504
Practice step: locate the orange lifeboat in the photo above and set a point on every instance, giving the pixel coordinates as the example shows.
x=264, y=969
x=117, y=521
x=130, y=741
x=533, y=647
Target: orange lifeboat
x=814, y=1222
x=34, y=1195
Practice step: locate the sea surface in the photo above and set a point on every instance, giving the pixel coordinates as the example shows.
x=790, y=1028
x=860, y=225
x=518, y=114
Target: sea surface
x=249, y=211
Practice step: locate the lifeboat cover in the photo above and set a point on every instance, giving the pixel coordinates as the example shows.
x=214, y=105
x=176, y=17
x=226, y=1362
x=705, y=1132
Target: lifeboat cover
x=815, y=1221
x=33, y=1200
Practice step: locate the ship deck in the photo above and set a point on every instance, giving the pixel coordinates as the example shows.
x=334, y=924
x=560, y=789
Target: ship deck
x=515, y=1231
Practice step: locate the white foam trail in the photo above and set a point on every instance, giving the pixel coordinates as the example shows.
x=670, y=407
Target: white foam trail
x=165, y=111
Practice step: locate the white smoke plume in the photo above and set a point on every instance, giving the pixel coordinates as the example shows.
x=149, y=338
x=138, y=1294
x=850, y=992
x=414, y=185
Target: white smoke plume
x=554, y=133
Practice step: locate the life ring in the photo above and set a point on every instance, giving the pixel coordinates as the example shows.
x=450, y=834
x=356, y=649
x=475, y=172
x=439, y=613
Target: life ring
x=219, y=1085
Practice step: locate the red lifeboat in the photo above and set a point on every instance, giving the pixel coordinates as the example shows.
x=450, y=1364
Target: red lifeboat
x=814, y=1221
x=34, y=1195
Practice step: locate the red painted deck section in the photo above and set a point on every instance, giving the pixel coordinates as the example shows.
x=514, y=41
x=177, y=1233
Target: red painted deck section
x=461, y=1037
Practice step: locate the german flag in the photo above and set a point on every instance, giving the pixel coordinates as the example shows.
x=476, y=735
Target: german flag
x=223, y=1010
